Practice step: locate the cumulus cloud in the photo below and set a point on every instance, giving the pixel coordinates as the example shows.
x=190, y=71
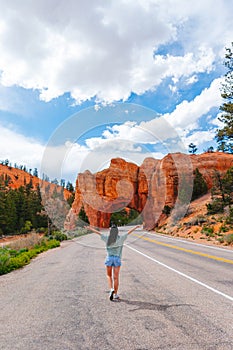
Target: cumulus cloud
x=130, y=140
x=171, y=130
x=200, y=137
x=20, y=149
x=217, y=122
x=187, y=113
x=193, y=79
x=107, y=50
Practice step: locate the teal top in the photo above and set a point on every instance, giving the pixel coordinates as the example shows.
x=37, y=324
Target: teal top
x=115, y=248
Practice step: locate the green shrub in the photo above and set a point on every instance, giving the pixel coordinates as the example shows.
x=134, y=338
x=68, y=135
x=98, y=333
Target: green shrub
x=42, y=230
x=59, y=236
x=12, y=259
x=27, y=227
x=229, y=218
x=208, y=231
x=53, y=244
x=23, y=250
x=124, y=217
x=4, y=259
x=167, y=210
x=224, y=228
x=215, y=207
x=32, y=253
x=19, y=261
x=228, y=238
x=13, y=252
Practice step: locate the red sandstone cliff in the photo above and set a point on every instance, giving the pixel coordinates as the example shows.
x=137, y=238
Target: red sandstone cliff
x=105, y=192
x=147, y=188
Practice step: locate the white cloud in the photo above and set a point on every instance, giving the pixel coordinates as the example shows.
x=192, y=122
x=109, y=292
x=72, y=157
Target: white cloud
x=68, y=159
x=187, y=113
x=30, y=152
x=107, y=49
x=20, y=149
x=217, y=122
x=153, y=132
x=199, y=138
x=173, y=88
x=134, y=142
x=175, y=126
x=193, y=79
x=131, y=141
x=100, y=156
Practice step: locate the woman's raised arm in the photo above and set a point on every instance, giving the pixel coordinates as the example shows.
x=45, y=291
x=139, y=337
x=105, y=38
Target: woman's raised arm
x=134, y=228
x=92, y=229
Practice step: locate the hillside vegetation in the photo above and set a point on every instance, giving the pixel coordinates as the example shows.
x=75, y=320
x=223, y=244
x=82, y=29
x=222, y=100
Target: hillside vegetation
x=209, y=217
x=22, y=208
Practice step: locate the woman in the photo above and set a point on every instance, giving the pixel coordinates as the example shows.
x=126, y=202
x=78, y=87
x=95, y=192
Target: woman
x=114, y=245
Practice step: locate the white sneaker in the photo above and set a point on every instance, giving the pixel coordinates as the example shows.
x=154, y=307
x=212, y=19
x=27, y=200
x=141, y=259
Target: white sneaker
x=116, y=296
x=111, y=294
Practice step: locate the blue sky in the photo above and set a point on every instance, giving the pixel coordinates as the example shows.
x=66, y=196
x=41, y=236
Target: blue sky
x=83, y=82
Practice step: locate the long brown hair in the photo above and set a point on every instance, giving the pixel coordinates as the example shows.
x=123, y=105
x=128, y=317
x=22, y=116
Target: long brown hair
x=113, y=235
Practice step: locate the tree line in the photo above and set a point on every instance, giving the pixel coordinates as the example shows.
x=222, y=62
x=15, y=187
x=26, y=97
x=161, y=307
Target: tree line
x=34, y=172
x=20, y=209
x=23, y=210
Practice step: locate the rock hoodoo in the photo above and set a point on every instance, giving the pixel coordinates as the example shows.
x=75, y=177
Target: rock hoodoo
x=147, y=189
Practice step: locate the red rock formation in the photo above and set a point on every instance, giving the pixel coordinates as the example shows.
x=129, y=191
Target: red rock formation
x=145, y=181
x=147, y=188
x=103, y=193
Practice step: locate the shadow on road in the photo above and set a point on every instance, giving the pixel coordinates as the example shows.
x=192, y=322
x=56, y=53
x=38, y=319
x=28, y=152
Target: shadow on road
x=142, y=305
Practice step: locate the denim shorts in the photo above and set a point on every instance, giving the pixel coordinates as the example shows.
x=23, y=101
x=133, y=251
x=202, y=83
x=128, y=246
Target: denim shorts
x=113, y=260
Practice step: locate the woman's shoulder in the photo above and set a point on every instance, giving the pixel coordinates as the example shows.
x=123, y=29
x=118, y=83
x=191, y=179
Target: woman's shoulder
x=122, y=236
x=104, y=236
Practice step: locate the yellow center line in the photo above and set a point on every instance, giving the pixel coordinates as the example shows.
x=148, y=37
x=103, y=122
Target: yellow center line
x=228, y=261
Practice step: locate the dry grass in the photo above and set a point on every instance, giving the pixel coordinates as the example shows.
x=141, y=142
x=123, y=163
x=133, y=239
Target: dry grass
x=28, y=241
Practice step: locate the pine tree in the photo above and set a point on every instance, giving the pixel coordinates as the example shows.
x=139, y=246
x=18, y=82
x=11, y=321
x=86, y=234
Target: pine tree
x=185, y=189
x=218, y=194
x=199, y=185
x=83, y=216
x=2, y=212
x=70, y=187
x=21, y=207
x=228, y=186
x=35, y=172
x=192, y=148
x=224, y=136
x=11, y=217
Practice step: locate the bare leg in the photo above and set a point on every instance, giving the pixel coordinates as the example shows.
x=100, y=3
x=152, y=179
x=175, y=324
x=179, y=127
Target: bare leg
x=116, y=278
x=109, y=276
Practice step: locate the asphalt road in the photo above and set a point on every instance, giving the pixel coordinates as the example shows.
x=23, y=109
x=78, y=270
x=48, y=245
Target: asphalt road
x=174, y=295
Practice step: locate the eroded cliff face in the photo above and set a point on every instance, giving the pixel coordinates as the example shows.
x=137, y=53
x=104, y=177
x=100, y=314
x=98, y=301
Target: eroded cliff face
x=103, y=193
x=148, y=188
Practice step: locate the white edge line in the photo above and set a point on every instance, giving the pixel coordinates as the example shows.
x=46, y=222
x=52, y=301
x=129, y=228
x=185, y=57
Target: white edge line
x=182, y=274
